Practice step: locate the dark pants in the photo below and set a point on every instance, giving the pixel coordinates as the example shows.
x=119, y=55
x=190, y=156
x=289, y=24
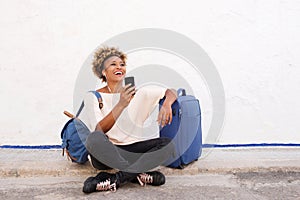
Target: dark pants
x=129, y=159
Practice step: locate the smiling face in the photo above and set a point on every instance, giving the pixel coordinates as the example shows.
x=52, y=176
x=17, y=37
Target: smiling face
x=114, y=69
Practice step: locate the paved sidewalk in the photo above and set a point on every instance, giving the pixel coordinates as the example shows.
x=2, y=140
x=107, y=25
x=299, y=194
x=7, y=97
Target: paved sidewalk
x=257, y=186
x=37, y=163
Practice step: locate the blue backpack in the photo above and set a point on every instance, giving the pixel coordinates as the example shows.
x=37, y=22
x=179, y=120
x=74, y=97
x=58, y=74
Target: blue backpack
x=74, y=135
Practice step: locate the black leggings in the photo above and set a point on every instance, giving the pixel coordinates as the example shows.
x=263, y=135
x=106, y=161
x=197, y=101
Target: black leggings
x=133, y=158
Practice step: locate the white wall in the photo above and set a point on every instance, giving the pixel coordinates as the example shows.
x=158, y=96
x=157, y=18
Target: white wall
x=253, y=43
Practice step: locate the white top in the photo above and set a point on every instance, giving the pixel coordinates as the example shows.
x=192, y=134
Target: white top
x=136, y=123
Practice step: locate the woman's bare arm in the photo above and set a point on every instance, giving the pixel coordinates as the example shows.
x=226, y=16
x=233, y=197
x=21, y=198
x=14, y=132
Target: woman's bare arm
x=109, y=120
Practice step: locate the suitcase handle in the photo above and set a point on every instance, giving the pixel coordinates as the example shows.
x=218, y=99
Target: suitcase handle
x=181, y=92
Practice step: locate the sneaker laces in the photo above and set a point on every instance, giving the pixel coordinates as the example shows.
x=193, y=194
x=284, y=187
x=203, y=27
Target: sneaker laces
x=106, y=186
x=144, y=179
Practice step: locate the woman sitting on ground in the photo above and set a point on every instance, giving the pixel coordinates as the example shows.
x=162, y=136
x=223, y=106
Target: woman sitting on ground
x=118, y=139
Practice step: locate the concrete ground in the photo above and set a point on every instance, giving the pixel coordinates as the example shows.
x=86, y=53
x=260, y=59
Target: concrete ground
x=252, y=173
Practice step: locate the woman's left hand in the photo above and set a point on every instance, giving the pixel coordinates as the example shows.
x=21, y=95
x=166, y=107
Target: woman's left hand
x=165, y=115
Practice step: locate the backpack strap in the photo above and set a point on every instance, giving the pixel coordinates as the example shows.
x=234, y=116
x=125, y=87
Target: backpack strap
x=80, y=109
x=98, y=95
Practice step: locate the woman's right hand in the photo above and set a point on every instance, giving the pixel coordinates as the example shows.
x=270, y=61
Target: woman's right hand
x=126, y=95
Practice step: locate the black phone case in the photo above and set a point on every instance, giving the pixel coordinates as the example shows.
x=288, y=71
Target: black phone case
x=129, y=80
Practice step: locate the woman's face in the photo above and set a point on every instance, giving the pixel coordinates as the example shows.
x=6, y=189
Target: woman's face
x=115, y=69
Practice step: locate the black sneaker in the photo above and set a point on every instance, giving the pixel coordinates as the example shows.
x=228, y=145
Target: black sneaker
x=102, y=182
x=154, y=178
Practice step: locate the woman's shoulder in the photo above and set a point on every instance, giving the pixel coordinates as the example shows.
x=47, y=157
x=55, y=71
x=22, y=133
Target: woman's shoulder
x=152, y=88
x=151, y=91
x=102, y=90
x=92, y=94
x=89, y=96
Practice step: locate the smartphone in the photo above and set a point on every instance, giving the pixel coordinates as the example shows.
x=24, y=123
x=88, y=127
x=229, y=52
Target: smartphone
x=129, y=80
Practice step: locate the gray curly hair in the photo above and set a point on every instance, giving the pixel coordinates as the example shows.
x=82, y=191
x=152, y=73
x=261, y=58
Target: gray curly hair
x=101, y=55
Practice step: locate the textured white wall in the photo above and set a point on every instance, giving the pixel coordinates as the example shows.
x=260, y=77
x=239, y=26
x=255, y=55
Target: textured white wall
x=253, y=43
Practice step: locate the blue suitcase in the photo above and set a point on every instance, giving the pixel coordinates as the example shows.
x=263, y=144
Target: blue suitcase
x=185, y=130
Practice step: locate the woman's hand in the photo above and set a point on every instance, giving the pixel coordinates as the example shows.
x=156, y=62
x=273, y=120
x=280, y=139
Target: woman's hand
x=109, y=120
x=126, y=95
x=165, y=115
